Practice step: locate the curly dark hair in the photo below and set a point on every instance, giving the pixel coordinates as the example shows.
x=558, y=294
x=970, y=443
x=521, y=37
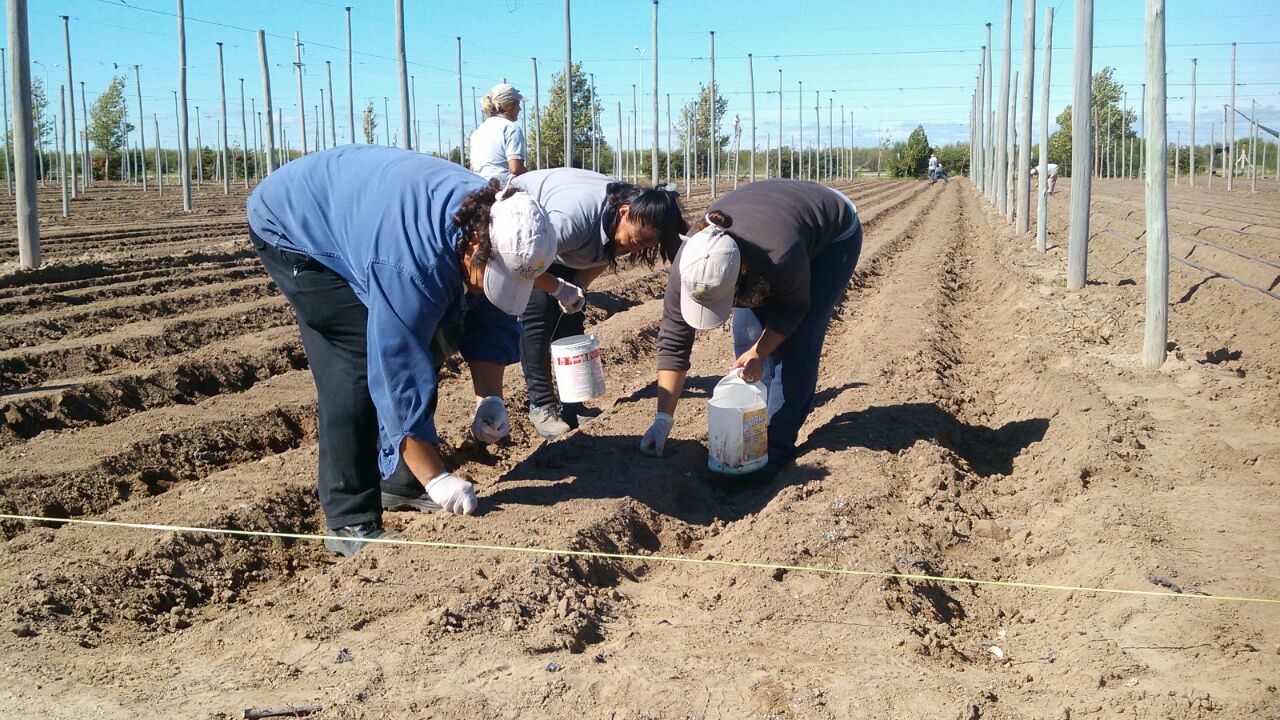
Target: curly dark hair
x=656, y=208
x=473, y=218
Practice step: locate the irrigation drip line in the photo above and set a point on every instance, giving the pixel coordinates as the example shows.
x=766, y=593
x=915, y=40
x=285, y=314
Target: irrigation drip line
x=642, y=558
x=1206, y=270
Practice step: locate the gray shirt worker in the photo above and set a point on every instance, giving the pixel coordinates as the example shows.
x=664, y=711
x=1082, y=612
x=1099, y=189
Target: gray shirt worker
x=575, y=202
x=780, y=226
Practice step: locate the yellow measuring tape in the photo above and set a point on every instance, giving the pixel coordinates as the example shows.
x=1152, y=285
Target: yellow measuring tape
x=642, y=558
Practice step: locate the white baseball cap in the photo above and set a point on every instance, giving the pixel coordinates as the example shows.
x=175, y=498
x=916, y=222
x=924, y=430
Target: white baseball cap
x=709, y=264
x=523, y=247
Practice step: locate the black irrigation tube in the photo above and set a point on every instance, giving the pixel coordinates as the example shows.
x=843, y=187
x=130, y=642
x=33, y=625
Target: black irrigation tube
x=1208, y=271
x=1206, y=243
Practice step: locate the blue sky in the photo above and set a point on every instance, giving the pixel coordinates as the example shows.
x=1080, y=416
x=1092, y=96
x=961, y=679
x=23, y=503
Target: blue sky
x=892, y=65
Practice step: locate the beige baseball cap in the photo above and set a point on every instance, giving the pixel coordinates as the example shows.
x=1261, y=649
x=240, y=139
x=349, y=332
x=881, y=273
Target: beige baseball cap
x=523, y=247
x=709, y=264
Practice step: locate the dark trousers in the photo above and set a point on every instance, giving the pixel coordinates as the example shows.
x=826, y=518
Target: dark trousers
x=796, y=359
x=334, y=326
x=542, y=323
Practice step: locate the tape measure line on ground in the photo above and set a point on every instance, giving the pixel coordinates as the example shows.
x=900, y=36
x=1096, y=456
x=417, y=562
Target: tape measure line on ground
x=644, y=558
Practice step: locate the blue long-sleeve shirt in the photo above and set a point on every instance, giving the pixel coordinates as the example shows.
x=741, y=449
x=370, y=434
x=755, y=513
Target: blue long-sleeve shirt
x=382, y=218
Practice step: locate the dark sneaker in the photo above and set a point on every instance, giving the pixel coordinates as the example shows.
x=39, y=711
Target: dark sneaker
x=396, y=501
x=347, y=541
x=547, y=421
x=576, y=414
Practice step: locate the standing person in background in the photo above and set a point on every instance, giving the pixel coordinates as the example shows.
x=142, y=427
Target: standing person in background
x=597, y=220
x=933, y=168
x=389, y=258
x=1053, y=175
x=778, y=255
x=497, y=146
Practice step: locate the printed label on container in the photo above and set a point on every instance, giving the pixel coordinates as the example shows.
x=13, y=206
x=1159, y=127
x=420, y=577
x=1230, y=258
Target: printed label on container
x=755, y=434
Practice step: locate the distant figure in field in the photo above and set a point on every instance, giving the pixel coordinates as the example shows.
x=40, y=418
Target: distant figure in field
x=939, y=173
x=497, y=146
x=933, y=168
x=1053, y=175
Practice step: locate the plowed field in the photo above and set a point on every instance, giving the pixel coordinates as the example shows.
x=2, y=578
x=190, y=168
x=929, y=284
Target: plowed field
x=974, y=420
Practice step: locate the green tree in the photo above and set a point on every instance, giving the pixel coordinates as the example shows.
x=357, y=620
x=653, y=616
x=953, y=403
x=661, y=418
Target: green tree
x=698, y=112
x=954, y=158
x=107, y=124
x=548, y=134
x=39, y=113
x=370, y=123
x=912, y=158
x=1112, y=121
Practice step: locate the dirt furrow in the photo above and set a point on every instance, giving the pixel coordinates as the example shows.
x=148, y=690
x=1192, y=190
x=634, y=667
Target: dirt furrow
x=90, y=469
x=225, y=367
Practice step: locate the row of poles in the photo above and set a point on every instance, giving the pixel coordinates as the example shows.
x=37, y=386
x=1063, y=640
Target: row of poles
x=271, y=146
x=1007, y=185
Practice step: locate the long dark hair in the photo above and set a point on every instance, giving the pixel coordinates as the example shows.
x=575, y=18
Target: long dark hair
x=657, y=208
x=473, y=218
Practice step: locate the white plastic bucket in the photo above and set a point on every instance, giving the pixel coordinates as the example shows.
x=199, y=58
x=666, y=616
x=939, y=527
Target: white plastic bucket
x=579, y=374
x=737, y=426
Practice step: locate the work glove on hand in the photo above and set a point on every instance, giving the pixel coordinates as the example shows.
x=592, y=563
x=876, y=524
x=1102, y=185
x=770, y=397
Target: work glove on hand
x=655, y=438
x=453, y=494
x=491, y=423
x=572, y=299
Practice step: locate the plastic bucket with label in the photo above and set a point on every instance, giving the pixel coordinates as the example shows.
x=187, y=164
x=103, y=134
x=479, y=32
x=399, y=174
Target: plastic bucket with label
x=738, y=426
x=579, y=374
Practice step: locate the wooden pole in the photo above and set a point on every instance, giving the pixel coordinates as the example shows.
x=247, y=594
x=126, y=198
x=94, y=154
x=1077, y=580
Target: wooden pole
x=86, y=168
x=618, y=154
x=302, y=104
x=980, y=156
x=988, y=120
x=800, y=141
x=440, y=132
x=1013, y=144
x=568, y=92
x=1002, y=118
x=417, y=119
x=184, y=148
x=671, y=148
x=780, y=123
x=1024, y=139
x=267, y=110
x=591, y=108
x=351, y=93
x=713, y=150
x=687, y=136
x=71, y=88
x=142, y=129
x=155, y=118
x=751, y=82
x=537, y=111
x=1157, y=326
x=656, y=121
x=8, y=137
x=1177, y=157
x=62, y=151
x=406, y=139
x=1042, y=206
x=200, y=151
x=1081, y=151
x=1253, y=147
x=224, y=165
x=257, y=137
x=333, y=119
x=1230, y=135
x=462, y=117
x=1227, y=170
x=322, y=136
x=244, y=138
x=1191, y=167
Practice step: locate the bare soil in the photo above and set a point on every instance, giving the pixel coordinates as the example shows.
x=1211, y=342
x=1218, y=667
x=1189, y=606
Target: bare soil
x=974, y=419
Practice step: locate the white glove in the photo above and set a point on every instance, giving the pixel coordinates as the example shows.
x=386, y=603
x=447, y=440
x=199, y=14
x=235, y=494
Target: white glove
x=571, y=297
x=655, y=438
x=453, y=493
x=491, y=423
